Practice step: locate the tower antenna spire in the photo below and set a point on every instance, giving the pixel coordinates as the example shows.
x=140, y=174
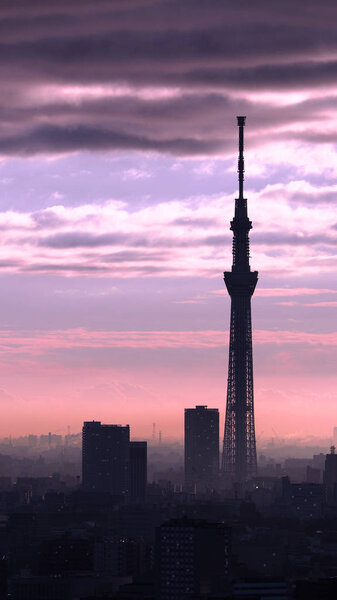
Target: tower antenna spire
x=241, y=162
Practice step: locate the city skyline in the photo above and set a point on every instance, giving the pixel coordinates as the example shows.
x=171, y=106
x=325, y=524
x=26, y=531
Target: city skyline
x=117, y=180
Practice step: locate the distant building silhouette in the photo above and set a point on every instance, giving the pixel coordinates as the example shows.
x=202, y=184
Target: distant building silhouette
x=105, y=458
x=138, y=471
x=313, y=475
x=239, y=447
x=192, y=558
x=302, y=500
x=335, y=436
x=201, y=448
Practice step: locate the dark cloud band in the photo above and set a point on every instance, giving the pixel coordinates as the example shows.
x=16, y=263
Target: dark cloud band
x=209, y=59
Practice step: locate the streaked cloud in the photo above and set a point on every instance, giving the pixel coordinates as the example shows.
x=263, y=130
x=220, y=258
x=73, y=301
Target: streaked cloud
x=182, y=236
x=47, y=341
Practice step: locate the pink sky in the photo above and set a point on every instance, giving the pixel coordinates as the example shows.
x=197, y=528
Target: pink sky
x=118, y=154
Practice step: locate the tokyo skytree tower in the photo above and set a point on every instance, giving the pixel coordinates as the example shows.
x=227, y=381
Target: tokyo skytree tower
x=239, y=447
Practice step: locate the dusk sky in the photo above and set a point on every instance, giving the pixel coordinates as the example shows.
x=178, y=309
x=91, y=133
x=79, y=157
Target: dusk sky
x=118, y=158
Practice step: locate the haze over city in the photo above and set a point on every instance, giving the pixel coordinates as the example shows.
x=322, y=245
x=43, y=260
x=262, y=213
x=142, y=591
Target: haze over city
x=168, y=300
x=117, y=183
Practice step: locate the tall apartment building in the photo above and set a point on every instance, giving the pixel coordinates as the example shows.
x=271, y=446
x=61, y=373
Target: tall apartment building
x=105, y=458
x=330, y=476
x=192, y=559
x=201, y=448
x=111, y=463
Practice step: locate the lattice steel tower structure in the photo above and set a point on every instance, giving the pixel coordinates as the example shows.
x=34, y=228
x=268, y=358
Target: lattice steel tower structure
x=239, y=448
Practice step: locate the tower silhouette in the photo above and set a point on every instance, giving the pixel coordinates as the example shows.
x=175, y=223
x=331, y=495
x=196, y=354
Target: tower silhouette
x=239, y=448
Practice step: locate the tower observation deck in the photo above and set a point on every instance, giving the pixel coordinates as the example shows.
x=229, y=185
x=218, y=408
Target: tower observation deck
x=239, y=447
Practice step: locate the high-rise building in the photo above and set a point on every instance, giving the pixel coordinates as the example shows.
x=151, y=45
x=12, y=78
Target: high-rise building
x=239, y=447
x=201, y=448
x=192, y=559
x=138, y=471
x=105, y=458
x=330, y=476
